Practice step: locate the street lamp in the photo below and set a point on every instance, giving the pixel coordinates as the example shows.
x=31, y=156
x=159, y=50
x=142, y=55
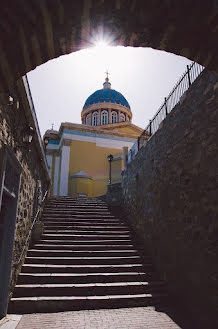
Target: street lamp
x=46, y=142
x=27, y=135
x=110, y=159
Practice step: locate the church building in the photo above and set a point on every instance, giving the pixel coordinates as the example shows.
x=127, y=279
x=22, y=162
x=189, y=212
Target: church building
x=77, y=154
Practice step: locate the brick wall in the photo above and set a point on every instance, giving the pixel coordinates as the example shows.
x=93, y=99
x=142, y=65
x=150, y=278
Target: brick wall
x=170, y=194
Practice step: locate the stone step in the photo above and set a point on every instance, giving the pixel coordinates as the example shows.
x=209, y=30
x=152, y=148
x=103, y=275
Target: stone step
x=115, y=268
x=80, y=253
x=81, y=247
x=87, y=232
x=76, y=204
x=96, y=221
x=72, y=303
x=79, y=226
x=38, y=278
x=83, y=260
x=116, y=237
x=86, y=242
x=86, y=211
x=93, y=289
x=78, y=215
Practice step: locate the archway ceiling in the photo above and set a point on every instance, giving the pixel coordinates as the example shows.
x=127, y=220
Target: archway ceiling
x=35, y=31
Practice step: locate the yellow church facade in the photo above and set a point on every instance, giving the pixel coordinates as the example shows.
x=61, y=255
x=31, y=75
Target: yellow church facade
x=77, y=154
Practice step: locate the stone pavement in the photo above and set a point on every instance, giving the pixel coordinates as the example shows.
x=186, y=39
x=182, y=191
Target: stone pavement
x=123, y=318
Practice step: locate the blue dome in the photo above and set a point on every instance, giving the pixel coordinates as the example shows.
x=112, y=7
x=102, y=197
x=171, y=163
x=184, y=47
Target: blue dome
x=106, y=95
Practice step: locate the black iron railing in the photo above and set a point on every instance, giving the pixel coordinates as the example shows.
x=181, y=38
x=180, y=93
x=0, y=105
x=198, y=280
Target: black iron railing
x=192, y=72
x=38, y=213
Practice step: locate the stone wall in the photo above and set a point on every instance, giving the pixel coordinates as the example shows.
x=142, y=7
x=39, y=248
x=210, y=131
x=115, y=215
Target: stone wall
x=12, y=122
x=114, y=194
x=170, y=194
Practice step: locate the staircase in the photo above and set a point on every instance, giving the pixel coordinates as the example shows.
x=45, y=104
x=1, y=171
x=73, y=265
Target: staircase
x=85, y=259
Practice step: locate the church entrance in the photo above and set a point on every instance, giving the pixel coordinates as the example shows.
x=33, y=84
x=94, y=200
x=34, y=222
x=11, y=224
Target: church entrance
x=10, y=171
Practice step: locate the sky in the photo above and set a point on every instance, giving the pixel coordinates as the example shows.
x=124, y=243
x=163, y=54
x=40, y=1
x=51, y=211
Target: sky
x=144, y=76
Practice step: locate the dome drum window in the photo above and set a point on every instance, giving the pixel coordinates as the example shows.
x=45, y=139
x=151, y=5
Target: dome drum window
x=104, y=118
x=88, y=120
x=113, y=117
x=95, y=119
x=122, y=117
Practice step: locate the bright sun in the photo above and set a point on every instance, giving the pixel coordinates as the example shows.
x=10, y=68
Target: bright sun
x=101, y=44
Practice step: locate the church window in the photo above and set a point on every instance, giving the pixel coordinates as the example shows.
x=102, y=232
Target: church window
x=88, y=120
x=104, y=118
x=95, y=119
x=122, y=117
x=114, y=117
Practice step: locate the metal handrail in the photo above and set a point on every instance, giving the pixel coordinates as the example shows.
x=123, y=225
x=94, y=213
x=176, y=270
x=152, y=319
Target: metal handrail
x=191, y=74
x=30, y=231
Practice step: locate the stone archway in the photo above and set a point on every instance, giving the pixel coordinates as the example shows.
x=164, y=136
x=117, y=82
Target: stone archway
x=33, y=32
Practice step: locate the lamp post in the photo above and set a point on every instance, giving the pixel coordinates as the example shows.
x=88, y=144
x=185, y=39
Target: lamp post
x=110, y=159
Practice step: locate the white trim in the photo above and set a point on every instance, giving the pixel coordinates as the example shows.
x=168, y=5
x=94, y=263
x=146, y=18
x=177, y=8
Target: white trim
x=65, y=163
x=100, y=142
x=56, y=172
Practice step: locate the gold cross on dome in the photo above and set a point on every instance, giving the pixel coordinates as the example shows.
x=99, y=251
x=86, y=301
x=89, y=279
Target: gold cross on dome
x=107, y=74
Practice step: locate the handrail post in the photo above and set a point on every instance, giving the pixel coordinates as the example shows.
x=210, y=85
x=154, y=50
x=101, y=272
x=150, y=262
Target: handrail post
x=139, y=142
x=189, y=78
x=165, y=103
x=150, y=128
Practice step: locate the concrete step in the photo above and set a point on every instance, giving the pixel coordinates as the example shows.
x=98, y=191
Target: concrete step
x=84, y=221
x=80, y=211
x=83, y=260
x=86, y=232
x=93, y=289
x=76, y=205
x=97, y=268
x=84, y=236
x=41, y=278
x=80, y=253
x=84, y=227
x=69, y=303
x=80, y=247
x=79, y=215
x=109, y=242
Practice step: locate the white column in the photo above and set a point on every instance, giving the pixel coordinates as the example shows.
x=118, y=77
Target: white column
x=56, y=172
x=119, y=116
x=49, y=161
x=65, y=162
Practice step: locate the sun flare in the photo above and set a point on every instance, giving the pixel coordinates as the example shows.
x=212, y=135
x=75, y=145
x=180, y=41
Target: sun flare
x=101, y=44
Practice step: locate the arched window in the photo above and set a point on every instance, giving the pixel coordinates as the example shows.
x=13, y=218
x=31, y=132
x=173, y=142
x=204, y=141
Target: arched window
x=95, y=119
x=114, y=117
x=88, y=119
x=122, y=117
x=104, y=118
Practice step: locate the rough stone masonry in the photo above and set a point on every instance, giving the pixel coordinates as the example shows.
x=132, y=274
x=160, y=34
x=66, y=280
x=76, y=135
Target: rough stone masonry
x=170, y=194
